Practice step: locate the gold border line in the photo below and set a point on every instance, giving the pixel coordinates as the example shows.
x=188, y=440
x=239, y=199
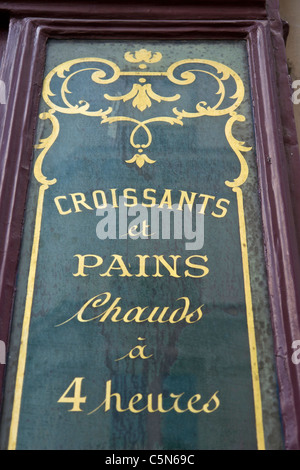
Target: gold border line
x=250, y=322
x=45, y=145
x=26, y=324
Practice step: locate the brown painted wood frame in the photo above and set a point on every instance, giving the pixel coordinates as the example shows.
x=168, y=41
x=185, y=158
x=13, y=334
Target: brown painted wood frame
x=23, y=73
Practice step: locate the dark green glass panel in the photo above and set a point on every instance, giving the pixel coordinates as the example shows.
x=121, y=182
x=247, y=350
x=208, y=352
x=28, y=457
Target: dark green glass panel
x=167, y=136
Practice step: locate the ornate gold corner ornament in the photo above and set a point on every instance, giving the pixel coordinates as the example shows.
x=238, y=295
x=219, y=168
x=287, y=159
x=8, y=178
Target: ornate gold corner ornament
x=143, y=56
x=143, y=96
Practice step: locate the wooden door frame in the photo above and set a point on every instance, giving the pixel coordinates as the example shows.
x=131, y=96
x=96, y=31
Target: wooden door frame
x=23, y=73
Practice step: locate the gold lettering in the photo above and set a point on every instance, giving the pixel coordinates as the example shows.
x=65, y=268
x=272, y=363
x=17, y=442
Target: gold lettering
x=82, y=265
x=59, y=208
x=176, y=406
x=132, y=232
x=189, y=200
x=142, y=264
x=79, y=200
x=160, y=407
x=204, y=203
x=108, y=397
x=133, y=400
x=161, y=316
x=199, y=315
x=149, y=198
x=103, y=316
x=166, y=199
x=161, y=260
x=150, y=408
x=183, y=314
x=214, y=399
x=133, y=198
x=196, y=266
x=94, y=301
x=193, y=400
x=114, y=198
x=101, y=200
x=121, y=266
x=139, y=352
x=134, y=314
x=152, y=315
x=95, y=199
x=136, y=317
x=223, y=209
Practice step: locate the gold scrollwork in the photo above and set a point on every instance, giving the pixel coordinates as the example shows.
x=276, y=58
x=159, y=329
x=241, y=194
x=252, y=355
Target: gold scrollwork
x=143, y=96
x=45, y=145
x=143, y=56
x=98, y=76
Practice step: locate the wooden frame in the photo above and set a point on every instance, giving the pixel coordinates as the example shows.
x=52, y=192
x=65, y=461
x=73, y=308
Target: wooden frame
x=23, y=72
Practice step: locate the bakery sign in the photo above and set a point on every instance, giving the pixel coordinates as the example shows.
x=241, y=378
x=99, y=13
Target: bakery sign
x=141, y=289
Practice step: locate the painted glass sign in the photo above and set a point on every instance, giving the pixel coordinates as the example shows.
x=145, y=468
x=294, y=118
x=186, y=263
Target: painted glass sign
x=142, y=308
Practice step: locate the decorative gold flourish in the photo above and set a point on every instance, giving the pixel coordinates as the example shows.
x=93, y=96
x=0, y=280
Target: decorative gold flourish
x=45, y=144
x=143, y=56
x=202, y=109
x=140, y=160
x=138, y=126
x=106, y=72
x=238, y=147
x=141, y=95
x=98, y=76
